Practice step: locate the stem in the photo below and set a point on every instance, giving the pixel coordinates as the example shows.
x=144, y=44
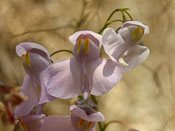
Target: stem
x=107, y=24
x=122, y=10
x=116, y=10
x=100, y=126
x=58, y=51
x=128, y=14
x=116, y=122
x=123, y=16
x=94, y=99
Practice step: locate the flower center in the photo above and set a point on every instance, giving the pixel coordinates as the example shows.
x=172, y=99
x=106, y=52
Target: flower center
x=138, y=33
x=26, y=59
x=82, y=123
x=85, y=45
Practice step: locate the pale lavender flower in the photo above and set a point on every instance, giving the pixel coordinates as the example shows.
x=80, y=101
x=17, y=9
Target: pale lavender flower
x=35, y=58
x=124, y=47
x=86, y=73
x=83, y=118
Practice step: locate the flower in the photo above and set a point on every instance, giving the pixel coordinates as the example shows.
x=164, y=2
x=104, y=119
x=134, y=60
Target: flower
x=35, y=58
x=83, y=118
x=85, y=73
x=124, y=47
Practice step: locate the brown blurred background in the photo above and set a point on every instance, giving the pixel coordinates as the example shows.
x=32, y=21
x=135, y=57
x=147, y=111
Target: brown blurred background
x=144, y=98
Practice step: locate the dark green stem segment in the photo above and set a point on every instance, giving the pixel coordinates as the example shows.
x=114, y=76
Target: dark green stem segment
x=101, y=127
x=58, y=51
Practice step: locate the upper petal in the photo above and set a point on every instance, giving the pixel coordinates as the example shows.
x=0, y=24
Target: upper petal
x=37, y=64
x=114, y=44
x=135, y=56
x=85, y=48
x=63, y=79
x=24, y=47
x=89, y=114
x=137, y=23
x=55, y=123
x=73, y=37
x=29, y=89
x=133, y=32
x=104, y=74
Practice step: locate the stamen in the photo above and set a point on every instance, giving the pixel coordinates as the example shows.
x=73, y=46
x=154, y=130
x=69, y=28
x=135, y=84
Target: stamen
x=142, y=33
x=79, y=45
x=136, y=32
x=27, y=59
x=80, y=123
x=89, y=125
x=22, y=59
x=86, y=45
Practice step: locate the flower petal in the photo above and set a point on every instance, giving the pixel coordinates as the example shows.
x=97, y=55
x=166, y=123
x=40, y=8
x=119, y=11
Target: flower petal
x=135, y=56
x=45, y=97
x=91, y=117
x=87, y=49
x=24, y=47
x=104, y=74
x=34, y=122
x=29, y=89
x=37, y=64
x=73, y=37
x=114, y=44
x=63, y=79
x=137, y=23
x=55, y=123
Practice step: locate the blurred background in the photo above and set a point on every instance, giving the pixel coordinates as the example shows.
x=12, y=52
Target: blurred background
x=144, y=98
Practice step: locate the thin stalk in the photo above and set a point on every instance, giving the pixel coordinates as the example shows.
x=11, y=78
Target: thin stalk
x=100, y=126
x=123, y=16
x=128, y=14
x=116, y=10
x=118, y=122
x=107, y=24
x=58, y=51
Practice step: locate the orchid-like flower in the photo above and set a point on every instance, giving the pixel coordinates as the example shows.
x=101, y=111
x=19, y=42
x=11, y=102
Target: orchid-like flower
x=35, y=58
x=83, y=118
x=124, y=47
x=85, y=73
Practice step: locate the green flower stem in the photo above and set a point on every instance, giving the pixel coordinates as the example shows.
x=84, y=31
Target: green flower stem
x=58, y=51
x=114, y=11
x=128, y=14
x=123, y=16
x=94, y=99
x=107, y=23
x=100, y=126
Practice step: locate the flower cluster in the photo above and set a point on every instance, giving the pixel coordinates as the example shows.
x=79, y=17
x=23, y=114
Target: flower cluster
x=86, y=74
